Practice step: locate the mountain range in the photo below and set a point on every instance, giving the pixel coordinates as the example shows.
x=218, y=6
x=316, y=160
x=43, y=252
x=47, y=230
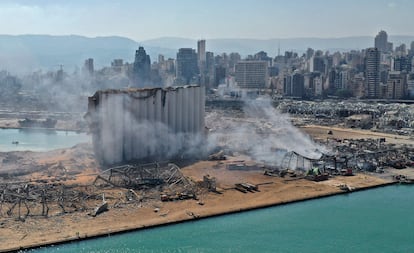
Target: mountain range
x=22, y=53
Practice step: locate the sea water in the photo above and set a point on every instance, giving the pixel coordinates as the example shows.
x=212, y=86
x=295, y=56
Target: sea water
x=376, y=220
x=39, y=139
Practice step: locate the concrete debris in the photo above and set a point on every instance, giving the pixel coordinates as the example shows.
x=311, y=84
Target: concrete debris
x=210, y=183
x=162, y=177
x=246, y=187
x=243, y=166
x=219, y=156
x=100, y=209
x=36, y=199
x=397, y=118
x=345, y=187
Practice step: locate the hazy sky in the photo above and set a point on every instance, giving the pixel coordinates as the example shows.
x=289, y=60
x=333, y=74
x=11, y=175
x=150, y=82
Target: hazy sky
x=147, y=19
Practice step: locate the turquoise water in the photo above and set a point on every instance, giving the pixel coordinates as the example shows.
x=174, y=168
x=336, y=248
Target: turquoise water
x=378, y=220
x=39, y=139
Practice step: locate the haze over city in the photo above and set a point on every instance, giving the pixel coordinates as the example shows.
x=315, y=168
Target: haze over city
x=143, y=20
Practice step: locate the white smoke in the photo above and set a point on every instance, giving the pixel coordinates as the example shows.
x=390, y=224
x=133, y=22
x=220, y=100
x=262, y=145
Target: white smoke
x=161, y=141
x=263, y=133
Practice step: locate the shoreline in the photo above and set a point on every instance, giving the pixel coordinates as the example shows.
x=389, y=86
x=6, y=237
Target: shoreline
x=45, y=129
x=128, y=215
x=194, y=218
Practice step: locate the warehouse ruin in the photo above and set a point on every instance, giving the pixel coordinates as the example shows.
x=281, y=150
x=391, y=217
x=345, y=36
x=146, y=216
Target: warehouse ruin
x=135, y=124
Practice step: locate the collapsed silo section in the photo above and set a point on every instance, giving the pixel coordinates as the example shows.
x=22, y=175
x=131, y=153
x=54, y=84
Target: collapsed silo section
x=138, y=124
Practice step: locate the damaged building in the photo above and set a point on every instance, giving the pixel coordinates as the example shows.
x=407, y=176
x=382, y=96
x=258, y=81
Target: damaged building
x=137, y=124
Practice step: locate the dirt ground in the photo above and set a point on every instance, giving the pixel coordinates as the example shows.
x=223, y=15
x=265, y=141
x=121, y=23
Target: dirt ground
x=76, y=166
x=321, y=133
x=39, y=230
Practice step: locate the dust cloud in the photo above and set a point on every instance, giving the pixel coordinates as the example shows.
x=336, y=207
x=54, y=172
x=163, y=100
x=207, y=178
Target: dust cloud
x=263, y=133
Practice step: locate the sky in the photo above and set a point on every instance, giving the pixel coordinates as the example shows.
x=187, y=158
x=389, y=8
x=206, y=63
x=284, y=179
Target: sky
x=257, y=19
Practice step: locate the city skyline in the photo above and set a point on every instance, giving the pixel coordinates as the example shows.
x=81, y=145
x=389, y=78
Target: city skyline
x=144, y=20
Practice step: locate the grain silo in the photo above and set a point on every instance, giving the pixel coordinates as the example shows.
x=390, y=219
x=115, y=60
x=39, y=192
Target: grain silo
x=136, y=124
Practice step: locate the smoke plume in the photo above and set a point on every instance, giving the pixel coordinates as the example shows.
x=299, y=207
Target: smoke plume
x=263, y=133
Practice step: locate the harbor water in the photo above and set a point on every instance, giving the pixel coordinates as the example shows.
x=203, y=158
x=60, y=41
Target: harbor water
x=39, y=139
x=376, y=220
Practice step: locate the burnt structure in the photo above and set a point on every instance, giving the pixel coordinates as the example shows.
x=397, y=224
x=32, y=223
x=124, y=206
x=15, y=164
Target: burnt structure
x=137, y=124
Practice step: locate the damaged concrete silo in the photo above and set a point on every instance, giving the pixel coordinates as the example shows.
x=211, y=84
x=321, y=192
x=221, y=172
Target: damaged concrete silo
x=136, y=124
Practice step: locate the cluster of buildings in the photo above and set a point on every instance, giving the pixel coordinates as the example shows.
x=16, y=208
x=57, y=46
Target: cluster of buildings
x=380, y=72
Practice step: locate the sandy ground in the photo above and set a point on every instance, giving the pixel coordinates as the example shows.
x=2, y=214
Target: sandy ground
x=321, y=133
x=37, y=230
x=58, y=227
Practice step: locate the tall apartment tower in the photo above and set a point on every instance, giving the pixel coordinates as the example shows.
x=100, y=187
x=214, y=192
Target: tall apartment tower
x=187, y=68
x=252, y=74
x=318, y=64
x=372, y=73
x=396, y=85
x=201, y=61
x=142, y=67
x=381, y=41
x=201, y=51
x=88, y=66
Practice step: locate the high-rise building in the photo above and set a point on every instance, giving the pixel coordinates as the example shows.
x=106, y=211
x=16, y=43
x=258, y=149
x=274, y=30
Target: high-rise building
x=372, y=73
x=410, y=86
x=220, y=73
x=402, y=63
x=390, y=47
x=209, y=76
x=117, y=65
x=309, y=77
x=317, y=86
x=294, y=85
x=411, y=51
x=201, y=61
x=262, y=56
x=298, y=85
x=142, y=68
x=381, y=41
x=88, y=67
x=161, y=58
x=396, y=85
x=233, y=59
x=201, y=51
x=357, y=85
x=309, y=53
x=318, y=64
x=412, y=64
x=341, y=80
x=287, y=85
x=355, y=60
x=401, y=50
x=187, y=66
x=251, y=74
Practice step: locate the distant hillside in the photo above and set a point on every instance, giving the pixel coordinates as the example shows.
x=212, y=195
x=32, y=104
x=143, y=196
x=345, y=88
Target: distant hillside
x=31, y=52
x=252, y=46
x=24, y=53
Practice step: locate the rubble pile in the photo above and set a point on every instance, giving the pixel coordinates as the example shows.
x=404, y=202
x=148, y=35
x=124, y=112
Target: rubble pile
x=371, y=154
x=151, y=180
x=392, y=118
x=21, y=200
